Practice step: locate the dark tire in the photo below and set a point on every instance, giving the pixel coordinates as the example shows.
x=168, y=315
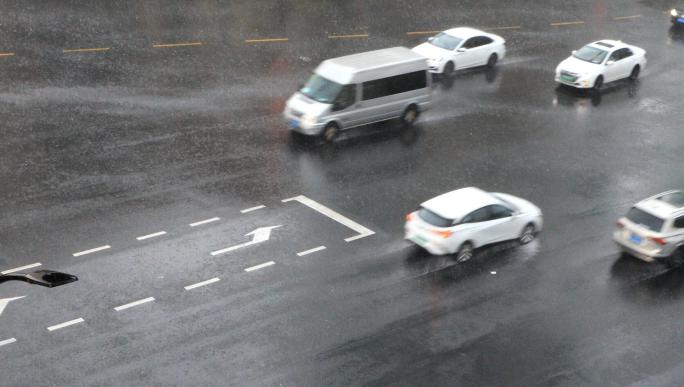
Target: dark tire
x=465, y=252
x=491, y=62
x=676, y=259
x=528, y=234
x=330, y=132
x=409, y=116
x=448, y=69
x=635, y=73
x=598, y=83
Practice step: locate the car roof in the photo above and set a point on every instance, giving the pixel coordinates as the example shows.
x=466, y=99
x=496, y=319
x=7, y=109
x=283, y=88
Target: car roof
x=663, y=205
x=465, y=32
x=459, y=203
x=608, y=44
x=377, y=58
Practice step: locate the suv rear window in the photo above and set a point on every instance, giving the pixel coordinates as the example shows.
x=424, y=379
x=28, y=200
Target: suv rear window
x=434, y=219
x=645, y=219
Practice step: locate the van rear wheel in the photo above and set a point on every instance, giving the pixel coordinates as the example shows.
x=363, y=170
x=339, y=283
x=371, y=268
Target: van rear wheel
x=410, y=115
x=330, y=131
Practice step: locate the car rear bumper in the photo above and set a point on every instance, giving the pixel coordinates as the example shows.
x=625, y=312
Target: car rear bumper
x=639, y=252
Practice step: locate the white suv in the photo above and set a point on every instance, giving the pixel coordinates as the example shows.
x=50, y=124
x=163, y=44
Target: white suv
x=653, y=229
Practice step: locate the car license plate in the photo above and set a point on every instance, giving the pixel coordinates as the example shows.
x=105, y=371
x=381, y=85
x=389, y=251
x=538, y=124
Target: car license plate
x=294, y=124
x=419, y=239
x=636, y=239
x=680, y=20
x=567, y=78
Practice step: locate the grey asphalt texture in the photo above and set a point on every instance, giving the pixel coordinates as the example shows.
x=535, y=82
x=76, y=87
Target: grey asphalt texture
x=100, y=147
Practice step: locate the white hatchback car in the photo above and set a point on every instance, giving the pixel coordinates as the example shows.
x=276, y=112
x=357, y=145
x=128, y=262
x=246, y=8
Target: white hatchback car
x=460, y=48
x=468, y=218
x=653, y=229
x=601, y=62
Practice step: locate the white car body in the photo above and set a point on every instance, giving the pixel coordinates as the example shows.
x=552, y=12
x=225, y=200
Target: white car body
x=462, y=55
x=458, y=207
x=612, y=67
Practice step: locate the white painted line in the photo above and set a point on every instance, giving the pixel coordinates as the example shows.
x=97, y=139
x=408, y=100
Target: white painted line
x=134, y=303
x=572, y=23
x=246, y=210
x=257, y=267
x=363, y=231
x=203, y=283
x=303, y=253
x=148, y=236
x=16, y=269
x=8, y=341
x=65, y=324
x=492, y=272
x=627, y=17
x=205, y=221
x=105, y=247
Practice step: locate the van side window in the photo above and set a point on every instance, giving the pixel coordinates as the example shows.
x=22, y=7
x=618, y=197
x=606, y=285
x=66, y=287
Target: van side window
x=345, y=98
x=394, y=85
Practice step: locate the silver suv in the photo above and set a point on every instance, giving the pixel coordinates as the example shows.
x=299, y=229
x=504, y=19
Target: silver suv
x=654, y=228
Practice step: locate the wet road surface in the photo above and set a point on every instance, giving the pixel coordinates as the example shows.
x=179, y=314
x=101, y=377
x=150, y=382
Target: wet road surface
x=140, y=138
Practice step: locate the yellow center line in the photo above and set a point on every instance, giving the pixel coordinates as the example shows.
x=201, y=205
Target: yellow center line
x=503, y=28
x=166, y=45
x=567, y=23
x=266, y=40
x=6, y=54
x=627, y=17
x=421, y=32
x=86, y=49
x=347, y=36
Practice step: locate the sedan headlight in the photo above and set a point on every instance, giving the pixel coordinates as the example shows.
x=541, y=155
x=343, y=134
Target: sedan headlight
x=673, y=12
x=309, y=120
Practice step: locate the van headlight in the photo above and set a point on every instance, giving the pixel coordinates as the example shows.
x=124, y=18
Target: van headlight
x=309, y=120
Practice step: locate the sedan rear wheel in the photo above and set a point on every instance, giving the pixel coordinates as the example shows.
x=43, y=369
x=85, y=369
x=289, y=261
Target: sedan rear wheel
x=527, y=235
x=465, y=252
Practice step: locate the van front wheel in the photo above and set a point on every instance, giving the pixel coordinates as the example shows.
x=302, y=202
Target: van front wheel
x=330, y=131
x=409, y=116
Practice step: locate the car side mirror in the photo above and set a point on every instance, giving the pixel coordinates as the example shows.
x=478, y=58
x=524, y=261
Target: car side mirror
x=574, y=52
x=610, y=63
x=462, y=49
x=431, y=38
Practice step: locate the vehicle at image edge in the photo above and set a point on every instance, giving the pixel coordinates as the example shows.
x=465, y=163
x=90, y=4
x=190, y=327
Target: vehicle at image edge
x=601, y=62
x=677, y=15
x=653, y=229
x=360, y=89
x=460, y=48
x=468, y=218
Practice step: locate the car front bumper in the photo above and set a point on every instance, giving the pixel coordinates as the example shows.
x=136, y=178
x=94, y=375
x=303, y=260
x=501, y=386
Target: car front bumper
x=580, y=83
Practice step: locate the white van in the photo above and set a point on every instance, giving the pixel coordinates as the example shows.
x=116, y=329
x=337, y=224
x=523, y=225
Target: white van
x=360, y=89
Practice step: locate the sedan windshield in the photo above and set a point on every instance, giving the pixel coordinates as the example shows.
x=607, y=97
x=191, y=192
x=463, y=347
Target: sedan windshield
x=645, y=219
x=590, y=54
x=445, y=41
x=434, y=219
x=321, y=89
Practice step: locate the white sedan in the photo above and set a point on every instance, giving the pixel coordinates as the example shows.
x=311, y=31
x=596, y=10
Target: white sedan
x=601, y=62
x=460, y=48
x=463, y=220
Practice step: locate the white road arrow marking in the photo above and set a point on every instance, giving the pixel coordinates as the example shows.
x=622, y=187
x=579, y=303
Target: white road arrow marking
x=259, y=235
x=5, y=301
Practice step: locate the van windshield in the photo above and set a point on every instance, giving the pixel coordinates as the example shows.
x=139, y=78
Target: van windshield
x=321, y=89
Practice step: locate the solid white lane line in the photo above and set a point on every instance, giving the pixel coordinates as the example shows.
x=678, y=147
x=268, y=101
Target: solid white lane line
x=363, y=231
x=205, y=221
x=627, y=17
x=203, y=283
x=16, y=269
x=257, y=267
x=246, y=210
x=65, y=324
x=148, y=236
x=305, y=252
x=105, y=247
x=134, y=303
x=8, y=341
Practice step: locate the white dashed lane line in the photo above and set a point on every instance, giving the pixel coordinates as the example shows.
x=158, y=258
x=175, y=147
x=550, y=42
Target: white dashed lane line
x=8, y=341
x=65, y=324
x=246, y=210
x=203, y=283
x=257, y=267
x=134, y=303
x=363, y=231
x=16, y=269
x=105, y=247
x=572, y=23
x=315, y=249
x=148, y=236
x=205, y=221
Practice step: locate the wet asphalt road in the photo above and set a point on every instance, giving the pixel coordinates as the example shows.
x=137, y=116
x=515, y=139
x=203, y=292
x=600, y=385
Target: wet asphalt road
x=143, y=135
